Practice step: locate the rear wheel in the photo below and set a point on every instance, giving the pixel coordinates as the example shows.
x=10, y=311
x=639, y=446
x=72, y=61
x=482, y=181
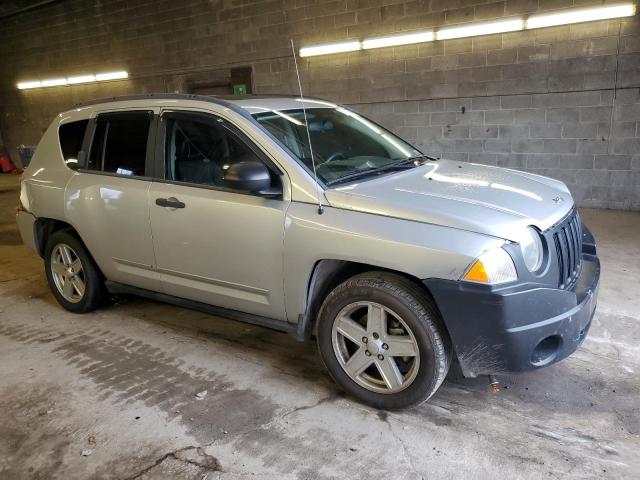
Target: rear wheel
x=72, y=274
x=381, y=339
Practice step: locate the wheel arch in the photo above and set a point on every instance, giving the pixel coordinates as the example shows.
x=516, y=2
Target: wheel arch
x=328, y=274
x=44, y=227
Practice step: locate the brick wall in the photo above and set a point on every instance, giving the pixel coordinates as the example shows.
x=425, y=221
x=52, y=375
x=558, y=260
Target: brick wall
x=561, y=101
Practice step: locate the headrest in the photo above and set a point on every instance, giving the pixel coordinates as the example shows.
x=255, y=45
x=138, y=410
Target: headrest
x=320, y=126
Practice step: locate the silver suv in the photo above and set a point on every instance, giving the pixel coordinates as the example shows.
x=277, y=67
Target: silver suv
x=304, y=216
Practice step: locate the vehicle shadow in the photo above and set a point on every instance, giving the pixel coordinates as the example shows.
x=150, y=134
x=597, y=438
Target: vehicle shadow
x=563, y=388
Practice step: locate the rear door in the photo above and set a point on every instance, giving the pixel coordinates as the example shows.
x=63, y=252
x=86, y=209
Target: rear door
x=107, y=199
x=213, y=244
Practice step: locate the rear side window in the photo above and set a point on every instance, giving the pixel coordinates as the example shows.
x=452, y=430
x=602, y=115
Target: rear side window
x=120, y=143
x=71, y=136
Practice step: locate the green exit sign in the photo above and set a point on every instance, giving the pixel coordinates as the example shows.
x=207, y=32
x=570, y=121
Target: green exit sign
x=240, y=89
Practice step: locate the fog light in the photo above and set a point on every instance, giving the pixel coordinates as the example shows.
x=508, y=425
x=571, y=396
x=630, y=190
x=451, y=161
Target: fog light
x=546, y=350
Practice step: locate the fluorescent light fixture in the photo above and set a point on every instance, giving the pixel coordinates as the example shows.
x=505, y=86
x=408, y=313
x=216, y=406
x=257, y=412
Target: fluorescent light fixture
x=81, y=79
x=111, y=76
x=562, y=17
x=330, y=48
x=565, y=17
x=59, y=82
x=54, y=82
x=475, y=29
x=395, y=40
x=28, y=85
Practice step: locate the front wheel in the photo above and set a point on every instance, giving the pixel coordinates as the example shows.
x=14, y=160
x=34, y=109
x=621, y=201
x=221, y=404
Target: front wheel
x=382, y=340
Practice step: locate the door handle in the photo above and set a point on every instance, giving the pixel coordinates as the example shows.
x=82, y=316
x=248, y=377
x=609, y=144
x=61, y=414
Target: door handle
x=170, y=202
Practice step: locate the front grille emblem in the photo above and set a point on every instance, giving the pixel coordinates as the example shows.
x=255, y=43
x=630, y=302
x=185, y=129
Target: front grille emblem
x=558, y=200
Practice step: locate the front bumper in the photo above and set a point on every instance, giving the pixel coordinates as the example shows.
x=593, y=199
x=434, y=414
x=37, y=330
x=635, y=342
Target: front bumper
x=518, y=328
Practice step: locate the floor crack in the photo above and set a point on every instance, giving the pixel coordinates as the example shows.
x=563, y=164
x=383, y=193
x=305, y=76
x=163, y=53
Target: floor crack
x=405, y=453
x=283, y=416
x=209, y=462
x=326, y=399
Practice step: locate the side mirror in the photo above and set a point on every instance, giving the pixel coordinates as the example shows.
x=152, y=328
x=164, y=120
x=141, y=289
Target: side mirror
x=251, y=176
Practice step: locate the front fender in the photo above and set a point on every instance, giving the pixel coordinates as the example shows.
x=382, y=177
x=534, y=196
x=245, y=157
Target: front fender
x=416, y=249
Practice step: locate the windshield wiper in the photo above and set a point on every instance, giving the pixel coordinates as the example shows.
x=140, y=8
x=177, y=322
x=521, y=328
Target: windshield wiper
x=404, y=163
x=422, y=157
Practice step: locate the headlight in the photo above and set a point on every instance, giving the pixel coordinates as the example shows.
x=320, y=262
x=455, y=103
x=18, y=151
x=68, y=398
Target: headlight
x=492, y=267
x=531, y=247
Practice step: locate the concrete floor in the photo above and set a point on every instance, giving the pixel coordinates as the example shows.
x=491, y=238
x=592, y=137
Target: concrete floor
x=127, y=377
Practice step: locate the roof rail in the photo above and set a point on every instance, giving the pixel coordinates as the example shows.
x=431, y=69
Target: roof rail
x=166, y=96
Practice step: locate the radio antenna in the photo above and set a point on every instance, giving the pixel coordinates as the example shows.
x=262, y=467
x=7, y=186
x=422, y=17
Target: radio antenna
x=306, y=124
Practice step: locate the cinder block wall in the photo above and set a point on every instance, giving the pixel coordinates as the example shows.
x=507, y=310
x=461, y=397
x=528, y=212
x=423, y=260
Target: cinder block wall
x=561, y=101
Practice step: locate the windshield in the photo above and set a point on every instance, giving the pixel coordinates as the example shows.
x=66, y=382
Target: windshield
x=344, y=143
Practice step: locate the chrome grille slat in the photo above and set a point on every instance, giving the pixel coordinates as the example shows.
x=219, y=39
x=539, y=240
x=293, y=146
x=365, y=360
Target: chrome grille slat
x=574, y=235
x=556, y=241
x=567, y=240
x=572, y=246
x=564, y=243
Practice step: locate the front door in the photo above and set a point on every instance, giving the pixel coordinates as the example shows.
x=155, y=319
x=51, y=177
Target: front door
x=213, y=244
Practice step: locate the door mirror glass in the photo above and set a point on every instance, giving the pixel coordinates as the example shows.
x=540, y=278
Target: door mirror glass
x=250, y=176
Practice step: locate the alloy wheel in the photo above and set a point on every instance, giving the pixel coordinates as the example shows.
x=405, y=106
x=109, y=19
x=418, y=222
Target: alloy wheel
x=68, y=273
x=375, y=347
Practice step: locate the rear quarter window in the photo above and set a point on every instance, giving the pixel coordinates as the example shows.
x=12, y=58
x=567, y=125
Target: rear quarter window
x=71, y=136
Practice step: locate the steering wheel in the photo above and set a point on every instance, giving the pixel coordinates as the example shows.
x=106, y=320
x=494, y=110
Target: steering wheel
x=335, y=156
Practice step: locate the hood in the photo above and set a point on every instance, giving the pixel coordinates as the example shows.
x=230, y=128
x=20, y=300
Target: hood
x=490, y=200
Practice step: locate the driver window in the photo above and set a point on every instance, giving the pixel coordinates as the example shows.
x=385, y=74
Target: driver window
x=200, y=152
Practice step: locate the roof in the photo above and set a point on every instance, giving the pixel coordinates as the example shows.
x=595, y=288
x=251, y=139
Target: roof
x=257, y=104
x=242, y=104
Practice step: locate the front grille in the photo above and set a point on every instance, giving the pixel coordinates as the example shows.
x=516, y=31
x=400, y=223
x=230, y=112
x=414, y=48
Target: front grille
x=567, y=238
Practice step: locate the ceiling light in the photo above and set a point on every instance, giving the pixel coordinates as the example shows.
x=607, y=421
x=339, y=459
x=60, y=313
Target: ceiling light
x=111, y=76
x=394, y=40
x=475, y=29
x=81, y=79
x=565, y=17
x=330, y=48
x=562, y=17
x=54, y=82
x=58, y=82
x=27, y=85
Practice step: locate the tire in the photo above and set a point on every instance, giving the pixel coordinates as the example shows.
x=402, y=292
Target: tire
x=86, y=271
x=405, y=310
